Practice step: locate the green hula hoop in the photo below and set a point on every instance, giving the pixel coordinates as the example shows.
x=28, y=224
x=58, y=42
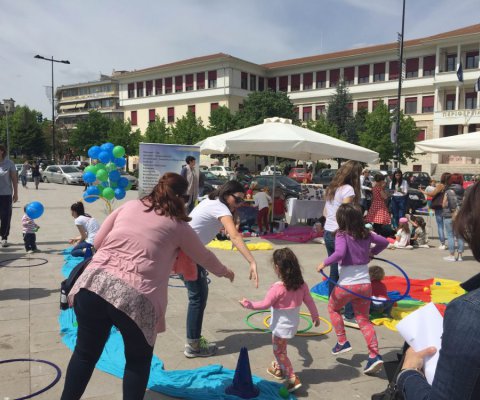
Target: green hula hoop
x=247, y=321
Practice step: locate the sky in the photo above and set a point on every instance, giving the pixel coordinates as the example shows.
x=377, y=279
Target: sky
x=99, y=36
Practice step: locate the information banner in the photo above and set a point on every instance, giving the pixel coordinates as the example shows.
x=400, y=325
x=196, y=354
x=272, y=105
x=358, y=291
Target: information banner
x=156, y=159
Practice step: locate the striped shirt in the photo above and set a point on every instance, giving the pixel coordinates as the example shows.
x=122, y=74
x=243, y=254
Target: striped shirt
x=28, y=224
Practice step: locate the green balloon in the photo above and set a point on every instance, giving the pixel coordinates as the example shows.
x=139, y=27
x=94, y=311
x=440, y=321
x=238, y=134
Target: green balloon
x=129, y=186
x=100, y=166
x=118, y=151
x=102, y=175
x=108, y=193
x=110, y=166
x=91, y=168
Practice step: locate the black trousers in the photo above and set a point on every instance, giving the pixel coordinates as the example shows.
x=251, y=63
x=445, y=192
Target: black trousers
x=95, y=318
x=30, y=241
x=5, y=215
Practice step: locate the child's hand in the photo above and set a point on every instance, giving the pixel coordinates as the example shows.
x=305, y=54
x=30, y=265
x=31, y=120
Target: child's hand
x=72, y=241
x=230, y=275
x=316, y=322
x=320, y=267
x=243, y=302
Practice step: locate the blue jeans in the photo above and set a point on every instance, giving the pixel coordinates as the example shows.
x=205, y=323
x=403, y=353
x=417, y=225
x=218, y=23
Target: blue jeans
x=399, y=206
x=23, y=179
x=78, y=249
x=451, y=237
x=440, y=227
x=330, y=245
x=197, y=301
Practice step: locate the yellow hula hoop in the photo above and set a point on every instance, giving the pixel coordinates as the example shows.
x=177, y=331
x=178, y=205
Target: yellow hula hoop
x=91, y=196
x=328, y=330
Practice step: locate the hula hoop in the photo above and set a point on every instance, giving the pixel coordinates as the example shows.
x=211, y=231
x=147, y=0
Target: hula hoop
x=407, y=290
x=43, y=261
x=94, y=196
x=247, y=321
x=328, y=330
x=49, y=386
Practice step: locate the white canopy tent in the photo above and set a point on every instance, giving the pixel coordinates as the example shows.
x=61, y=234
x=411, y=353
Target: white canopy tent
x=467, y=145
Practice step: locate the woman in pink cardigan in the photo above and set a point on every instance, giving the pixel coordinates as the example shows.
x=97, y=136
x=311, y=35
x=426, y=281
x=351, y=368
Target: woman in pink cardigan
x=126, y=283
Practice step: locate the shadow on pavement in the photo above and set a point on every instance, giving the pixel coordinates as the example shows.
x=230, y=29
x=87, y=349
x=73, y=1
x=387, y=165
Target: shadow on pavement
x=26, y=294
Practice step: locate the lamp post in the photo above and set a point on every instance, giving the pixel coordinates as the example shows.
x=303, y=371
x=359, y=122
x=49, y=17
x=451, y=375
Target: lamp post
x=8, y=106
x=52, y=60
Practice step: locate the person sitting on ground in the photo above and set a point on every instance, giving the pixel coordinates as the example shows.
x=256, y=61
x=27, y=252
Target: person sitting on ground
x=419, y=237
x=88, y=228
x=402, y=237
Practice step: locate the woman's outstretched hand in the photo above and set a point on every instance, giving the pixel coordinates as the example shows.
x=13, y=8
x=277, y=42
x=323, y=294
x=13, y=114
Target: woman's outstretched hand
x=253, y=276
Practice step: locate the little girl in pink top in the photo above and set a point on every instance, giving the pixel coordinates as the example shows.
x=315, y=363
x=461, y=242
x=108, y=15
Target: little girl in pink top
x=285, y=298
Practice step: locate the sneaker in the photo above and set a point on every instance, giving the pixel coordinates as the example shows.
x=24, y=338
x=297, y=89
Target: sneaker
x=424, y=246
x=30, y=252
x=4, y=243
x=341, y=348
x=442, y=247
x=373, y=365
x=202, y=348
x=450, y=259
x=350, y=322
x=37, y=251
x=293, y=384
x=275, y=371
x=459, y=258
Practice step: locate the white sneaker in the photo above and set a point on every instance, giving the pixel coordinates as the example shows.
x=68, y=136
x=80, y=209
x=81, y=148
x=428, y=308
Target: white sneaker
x=450, y=259
x=30, y=252
x=4, y=243
x=424, y=246
x=442, y=247
x=459, y=258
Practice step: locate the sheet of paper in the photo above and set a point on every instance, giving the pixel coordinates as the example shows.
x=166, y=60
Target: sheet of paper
x=421, y=329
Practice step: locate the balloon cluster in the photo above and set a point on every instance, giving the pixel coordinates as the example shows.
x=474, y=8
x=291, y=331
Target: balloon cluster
x=102, y=176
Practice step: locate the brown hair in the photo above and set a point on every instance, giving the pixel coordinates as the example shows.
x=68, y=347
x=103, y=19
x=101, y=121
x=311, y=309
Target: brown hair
x=467, y=222
x=166, y=197
x=288, y=268
x=350, y=220
x=404, y=227
x=445, y=178
x=348, y=174
x=376, y=273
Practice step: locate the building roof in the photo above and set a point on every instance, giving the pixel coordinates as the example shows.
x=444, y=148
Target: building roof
x=469, y=30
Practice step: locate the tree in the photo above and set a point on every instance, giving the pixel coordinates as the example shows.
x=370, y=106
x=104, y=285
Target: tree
x=120, y=134
x=188, y=130
x=222, y=120
x=91, y=131
x=376, y=135
x=260, y=105
x=339, y=113
x=158, y=131
x=321, y=125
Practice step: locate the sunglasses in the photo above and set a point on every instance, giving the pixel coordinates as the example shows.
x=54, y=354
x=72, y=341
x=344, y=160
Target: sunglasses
x=238, y=200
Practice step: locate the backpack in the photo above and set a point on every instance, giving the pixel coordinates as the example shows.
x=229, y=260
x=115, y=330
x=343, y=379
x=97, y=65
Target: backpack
x=392, y=369
x=67, y=285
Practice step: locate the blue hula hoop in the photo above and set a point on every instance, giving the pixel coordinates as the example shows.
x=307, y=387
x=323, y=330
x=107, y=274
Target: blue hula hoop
x=407, y=290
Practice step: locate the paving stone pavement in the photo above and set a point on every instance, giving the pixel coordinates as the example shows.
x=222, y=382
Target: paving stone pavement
x=29, y=298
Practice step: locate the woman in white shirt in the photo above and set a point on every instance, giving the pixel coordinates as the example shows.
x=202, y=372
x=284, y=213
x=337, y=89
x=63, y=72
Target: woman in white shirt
x=399, y=188
x=88, y=228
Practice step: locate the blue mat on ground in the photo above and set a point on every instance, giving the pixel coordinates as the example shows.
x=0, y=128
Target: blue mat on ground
x=206, y=383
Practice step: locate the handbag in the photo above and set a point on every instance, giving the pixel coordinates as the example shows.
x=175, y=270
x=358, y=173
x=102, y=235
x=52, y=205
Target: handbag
x=67, y=285
x=392, y=369
x=437, y=201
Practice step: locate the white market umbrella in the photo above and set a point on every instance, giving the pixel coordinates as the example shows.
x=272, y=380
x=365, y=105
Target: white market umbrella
x=467, y=145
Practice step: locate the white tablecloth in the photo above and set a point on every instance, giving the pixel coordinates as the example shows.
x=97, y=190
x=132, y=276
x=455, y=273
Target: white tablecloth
x=303, y=210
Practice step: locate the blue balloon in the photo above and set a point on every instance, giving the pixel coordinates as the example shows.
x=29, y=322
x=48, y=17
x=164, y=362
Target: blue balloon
x=108, y=147
x=114, y=175
x=89, y=177
x=93, y=191
x=94, y=151
x=34, y=209
x=122, y=182
x=89, y=198
x=120, y=193
x=120, y=162
x=104, y=157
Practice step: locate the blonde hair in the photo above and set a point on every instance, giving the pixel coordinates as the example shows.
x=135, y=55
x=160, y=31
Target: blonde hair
x=348, y=174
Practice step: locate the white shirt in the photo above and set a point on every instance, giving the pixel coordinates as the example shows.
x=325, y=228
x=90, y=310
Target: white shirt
x=331, y=206
x=262, y=200
x=353, y=274
x=284, y=323
x=404, y=238
x=403, y=187
x=90, y=225
x=205, y=219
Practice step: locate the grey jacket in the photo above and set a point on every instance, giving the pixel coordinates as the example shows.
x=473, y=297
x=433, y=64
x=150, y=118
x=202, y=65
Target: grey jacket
x=454, y=196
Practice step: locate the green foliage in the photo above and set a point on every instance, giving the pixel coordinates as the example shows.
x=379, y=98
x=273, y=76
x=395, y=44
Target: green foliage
x=222, y=120
x=376, y=135
x=91, y=131
x=120, y=134
x=188, y=130
x=158, y=131
x=322, y=125
x=340, y=115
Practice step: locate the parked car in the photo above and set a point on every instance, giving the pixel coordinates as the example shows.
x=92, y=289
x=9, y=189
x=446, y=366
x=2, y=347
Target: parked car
x=210, y=182
x=468, y=180
x=286, y=185
x=220, y=170
x=203, y=168
x=417, y=179
x=324, y=177
x=269, y=170
x=66, y=174
x=79, y=164
x=131, y=179
x=300, y=175
x=241, y=169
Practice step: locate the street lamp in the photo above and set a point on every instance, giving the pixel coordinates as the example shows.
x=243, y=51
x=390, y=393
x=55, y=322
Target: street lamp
x=52, y=60
x=8, y=106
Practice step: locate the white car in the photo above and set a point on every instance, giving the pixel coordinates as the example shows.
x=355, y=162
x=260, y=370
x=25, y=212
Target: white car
x=220, y=170
x=269, y=170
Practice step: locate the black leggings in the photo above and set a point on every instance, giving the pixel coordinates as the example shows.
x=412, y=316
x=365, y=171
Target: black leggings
x=5, y=215
x=95, y=318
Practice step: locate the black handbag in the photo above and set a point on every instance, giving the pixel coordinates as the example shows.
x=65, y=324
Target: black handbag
x=392, y=369
x=67, y=285
x=437, y=201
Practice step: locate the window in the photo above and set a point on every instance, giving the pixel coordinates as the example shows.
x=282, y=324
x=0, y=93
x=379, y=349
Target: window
x=307, y=113
x=188, y=82
x=308, y=81
x=450, y=102
x=411, y=105
x=376, y=103
x=200, y=80
x=158, y=87
x=133, y=117
x=362, y=105
x=168, y=85
x=427, y=104
x=420, y=137
x=349, y=75
x=321, y=79
x=283, y=83
x=319, y=110
x=178, y=83
x=334, y=77
x=295, y=83
x=244, y=81
x=272, y=84
x=148, y=88
x=472, y=60
x=350, y=107
x=451, y=62
x=213, y=106
x=412, y=68
x=392, y=104
x=471, y=100
x=139, y=89
x=192, y=109
x=393, y=73
x=171, y=115
x=379, y=72
x=472, y=128
x=212, y=79
x=253, y=82
x=261, y=84
x=364, y=73
x=429, y=66
x=151, y=115
x=131, y=90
